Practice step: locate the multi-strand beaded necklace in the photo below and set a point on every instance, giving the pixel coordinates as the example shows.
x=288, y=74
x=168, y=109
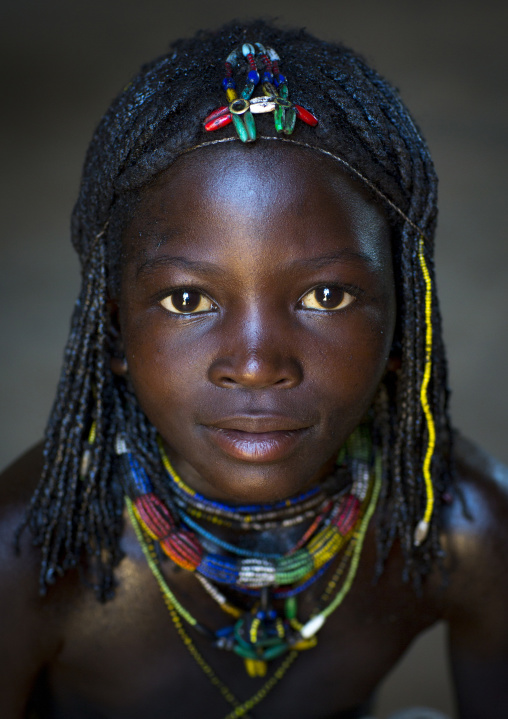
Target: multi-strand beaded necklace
x=330, y=519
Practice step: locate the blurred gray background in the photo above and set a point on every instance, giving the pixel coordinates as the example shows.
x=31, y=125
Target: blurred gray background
x=61, y=64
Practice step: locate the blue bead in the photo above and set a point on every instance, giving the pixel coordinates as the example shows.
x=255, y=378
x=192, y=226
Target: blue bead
x=225, y=631
x=139, y=476
x=228, y=83
x=267, y=77
x=279, y=79
x=253, y=76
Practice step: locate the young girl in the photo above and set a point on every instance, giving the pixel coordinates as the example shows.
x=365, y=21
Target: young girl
x=248, y=502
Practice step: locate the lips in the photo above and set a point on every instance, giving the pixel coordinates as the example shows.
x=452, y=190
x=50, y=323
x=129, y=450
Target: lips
x=259, y=439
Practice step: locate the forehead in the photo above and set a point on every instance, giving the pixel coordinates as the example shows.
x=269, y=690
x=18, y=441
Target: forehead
x=247, y=194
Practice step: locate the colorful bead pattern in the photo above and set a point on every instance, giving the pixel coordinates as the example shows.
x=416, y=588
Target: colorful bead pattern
x=182, y=545
x=263, y=635
x=241, y=109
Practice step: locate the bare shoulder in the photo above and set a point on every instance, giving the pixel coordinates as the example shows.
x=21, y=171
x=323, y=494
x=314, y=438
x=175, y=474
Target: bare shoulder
x=477, y=535
x=17, y=484
x=29, y=621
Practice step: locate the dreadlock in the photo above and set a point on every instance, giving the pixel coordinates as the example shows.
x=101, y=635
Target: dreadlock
x=75, y=514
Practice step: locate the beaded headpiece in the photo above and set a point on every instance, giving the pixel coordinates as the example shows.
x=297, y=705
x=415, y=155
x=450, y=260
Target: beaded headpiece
x=242, y=108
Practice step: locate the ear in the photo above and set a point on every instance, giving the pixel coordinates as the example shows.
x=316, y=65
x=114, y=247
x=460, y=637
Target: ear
x=118, y=361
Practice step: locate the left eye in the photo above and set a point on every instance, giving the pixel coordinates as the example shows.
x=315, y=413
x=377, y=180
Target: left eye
x=187, y=301
x=327, y=298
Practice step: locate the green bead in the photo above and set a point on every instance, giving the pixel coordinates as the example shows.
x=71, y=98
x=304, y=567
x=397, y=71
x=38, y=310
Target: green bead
x=289, y=121
x=279, y=118
x=246, y=653
x=240, y=128
x=283, y=91
x=273, y=642
x=291, y=608
x=250, y=125
x=275, y=652
x=247, y=91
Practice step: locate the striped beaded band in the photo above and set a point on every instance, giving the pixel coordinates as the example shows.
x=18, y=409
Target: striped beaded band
x=179, y=542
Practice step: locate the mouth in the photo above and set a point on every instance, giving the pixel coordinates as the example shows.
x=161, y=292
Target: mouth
x=257, y=439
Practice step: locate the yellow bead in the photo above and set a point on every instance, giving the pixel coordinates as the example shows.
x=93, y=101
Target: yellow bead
x=305, y=644
x=255, y=667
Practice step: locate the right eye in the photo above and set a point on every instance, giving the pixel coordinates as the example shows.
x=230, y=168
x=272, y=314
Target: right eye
x=187, y=301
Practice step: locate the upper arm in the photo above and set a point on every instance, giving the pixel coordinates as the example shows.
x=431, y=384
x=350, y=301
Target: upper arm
x=27, y=621
x=478, y=591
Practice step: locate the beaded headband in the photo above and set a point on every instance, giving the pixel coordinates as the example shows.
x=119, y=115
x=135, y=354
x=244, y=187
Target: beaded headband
x=242, y=108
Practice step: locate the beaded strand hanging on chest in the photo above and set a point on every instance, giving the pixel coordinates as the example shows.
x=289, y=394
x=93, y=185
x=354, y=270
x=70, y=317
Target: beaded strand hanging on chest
x=337, y=519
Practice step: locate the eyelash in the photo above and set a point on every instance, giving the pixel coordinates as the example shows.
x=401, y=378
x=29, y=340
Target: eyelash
x=203, y=299
x=167, y=302
x=348, y=292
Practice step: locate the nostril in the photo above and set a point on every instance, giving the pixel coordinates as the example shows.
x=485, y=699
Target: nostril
x=227, y=382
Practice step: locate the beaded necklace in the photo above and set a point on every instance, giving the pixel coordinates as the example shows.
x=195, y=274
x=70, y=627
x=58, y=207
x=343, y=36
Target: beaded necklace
x=303, y=636
x=263, y=633
x=177, y=539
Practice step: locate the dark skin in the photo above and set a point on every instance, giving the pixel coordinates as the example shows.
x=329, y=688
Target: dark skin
x=254, y=379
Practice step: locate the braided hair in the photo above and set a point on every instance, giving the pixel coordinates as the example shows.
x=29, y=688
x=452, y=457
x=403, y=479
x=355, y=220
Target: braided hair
x=75, y=514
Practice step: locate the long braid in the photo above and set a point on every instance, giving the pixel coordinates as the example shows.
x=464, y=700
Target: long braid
x=76, y=514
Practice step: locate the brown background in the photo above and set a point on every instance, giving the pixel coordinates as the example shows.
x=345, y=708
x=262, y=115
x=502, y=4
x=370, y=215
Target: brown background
x=61, y=63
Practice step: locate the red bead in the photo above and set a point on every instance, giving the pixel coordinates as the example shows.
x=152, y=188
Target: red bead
x=217, y=113
x=348, y=515
x=183, y=548
x=221, y=121
x=154, y=515
x=306, y=116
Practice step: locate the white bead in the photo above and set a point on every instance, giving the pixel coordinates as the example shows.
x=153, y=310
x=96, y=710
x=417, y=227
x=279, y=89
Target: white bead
x=272, y=54
x=312, y=627
x=232, y=58
x=421, y=532
x=247, y=49
x=120, y=446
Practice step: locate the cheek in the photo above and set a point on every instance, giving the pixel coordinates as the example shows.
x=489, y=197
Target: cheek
x=346, y=365
x=162, y=369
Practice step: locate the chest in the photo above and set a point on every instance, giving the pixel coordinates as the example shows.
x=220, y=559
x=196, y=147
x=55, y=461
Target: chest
x=128, y=659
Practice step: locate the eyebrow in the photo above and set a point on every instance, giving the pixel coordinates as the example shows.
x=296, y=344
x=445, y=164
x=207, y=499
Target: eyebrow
x=181, y=263
x=346, y=255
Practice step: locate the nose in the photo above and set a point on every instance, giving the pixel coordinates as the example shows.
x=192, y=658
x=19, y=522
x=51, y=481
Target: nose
x=257, y=355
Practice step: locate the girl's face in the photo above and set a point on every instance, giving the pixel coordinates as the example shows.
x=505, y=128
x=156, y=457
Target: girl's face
x=257, y=310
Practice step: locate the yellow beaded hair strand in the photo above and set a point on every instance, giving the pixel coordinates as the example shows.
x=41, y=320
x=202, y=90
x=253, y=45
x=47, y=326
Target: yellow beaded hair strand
x=423, y=525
